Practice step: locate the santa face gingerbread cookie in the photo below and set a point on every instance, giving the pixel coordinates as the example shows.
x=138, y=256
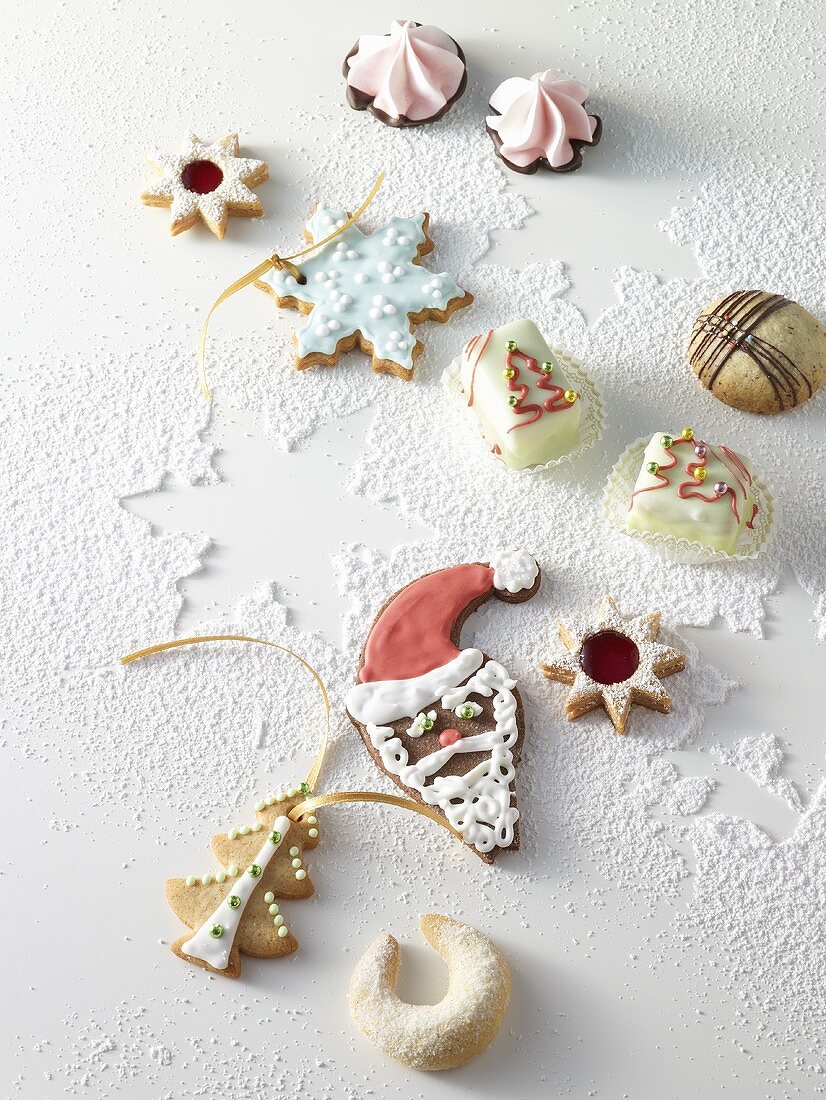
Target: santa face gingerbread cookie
x=206, y=183
x=365, y=290
x=446, y=723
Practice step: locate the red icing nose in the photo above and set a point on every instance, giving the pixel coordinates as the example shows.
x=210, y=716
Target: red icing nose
x=449, y=737
x=609, y=657
x=201, y=176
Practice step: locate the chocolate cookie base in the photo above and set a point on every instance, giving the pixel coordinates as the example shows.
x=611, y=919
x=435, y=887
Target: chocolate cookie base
x=360, y=101
x=542, y=162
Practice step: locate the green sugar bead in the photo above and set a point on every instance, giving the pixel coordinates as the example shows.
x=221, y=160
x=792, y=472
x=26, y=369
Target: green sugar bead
x=275, y=837
x=274, y=910
x=190, y=880
x=232, y=869
x=216, y=931
x=278, y=921
x=293, y=851
x=283, y=931
x=302, y=874
x=269, y=897
x=233, y=901
x=312, y=820
x=313, y=833
x=296, y=863
x=254, y=870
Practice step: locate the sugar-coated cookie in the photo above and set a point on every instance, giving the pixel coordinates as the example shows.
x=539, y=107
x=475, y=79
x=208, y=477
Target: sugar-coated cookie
x=444, y=1035
x=446, y=723
x=408, y=77
x=542, y=122
x=234, y=911
x=693, y=490
x=365, y=290
x=518, y=390
x=758, y=352
x=613, y=662
x=206, y=183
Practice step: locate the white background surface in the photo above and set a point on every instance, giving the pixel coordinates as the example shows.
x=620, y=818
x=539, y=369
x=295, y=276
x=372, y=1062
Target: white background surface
x=601, y=1015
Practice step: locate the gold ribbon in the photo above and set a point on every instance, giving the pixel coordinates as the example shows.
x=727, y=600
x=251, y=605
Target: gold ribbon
x=334, y=797
x=279, y=263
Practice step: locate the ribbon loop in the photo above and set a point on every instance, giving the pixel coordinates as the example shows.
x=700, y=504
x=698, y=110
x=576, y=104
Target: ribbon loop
x=290, y=268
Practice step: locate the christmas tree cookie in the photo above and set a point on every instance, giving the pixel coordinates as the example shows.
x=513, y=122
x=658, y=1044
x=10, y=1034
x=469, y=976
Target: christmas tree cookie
x=236, y=911
x=517, y=388
x=692, y=490
x=365, y=290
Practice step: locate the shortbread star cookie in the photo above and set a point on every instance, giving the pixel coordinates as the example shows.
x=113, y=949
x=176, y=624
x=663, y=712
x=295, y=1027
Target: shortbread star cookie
x=365, y=290
x=613, y=662
x=206, y=182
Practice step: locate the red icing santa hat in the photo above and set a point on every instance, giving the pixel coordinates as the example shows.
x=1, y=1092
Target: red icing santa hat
x=410, y=657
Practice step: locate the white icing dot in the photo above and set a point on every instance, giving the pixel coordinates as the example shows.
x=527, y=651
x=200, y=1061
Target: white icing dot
x=361, y=277
x=383, y=265
x=221, y=876
x=388, y=242
x=404, y=240
x=244, y=830
x=375, y=313
x=398, y=272
x=352, y=254
x=190, y=880
x=437, y=283
x=437, y=293
x=333, y=326
x=390, y=345
x=278, y=920
x=283, y=931
x=232, y=870
x=320, y=276
x=346, y=300
x=323, y=330
x=395, y=335
x=206, y=880
x=257, y=827
x=392, y=231
x=389, y=308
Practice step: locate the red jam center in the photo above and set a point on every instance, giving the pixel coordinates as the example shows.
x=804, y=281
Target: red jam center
x=201, y=176
x=609, y=657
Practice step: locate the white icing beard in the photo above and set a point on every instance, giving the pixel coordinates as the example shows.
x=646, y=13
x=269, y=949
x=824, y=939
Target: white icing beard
x=477, y=804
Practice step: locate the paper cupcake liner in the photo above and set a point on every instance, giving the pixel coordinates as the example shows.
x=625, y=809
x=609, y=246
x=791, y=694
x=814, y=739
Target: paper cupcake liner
x=591, y=416
x=617, y=494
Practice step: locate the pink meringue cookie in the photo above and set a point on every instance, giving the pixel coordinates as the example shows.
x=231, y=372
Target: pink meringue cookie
x=408, y=77
x=542, y=121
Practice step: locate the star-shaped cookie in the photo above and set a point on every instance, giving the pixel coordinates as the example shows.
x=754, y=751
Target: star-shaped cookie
x=206, y=182
x=365, y=290
x=613, y=662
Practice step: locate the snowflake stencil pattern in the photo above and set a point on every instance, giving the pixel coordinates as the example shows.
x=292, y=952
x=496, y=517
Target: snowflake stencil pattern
x=366, y=290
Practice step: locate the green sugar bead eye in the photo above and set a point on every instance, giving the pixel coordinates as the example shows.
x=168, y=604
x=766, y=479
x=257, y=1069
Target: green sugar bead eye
x=466, y=711
x=666, y=442
x=233, y=901
x=305, y=790
x=216, y=931
x=653, y=467
x=511, y=345
x=254, y=870
x=428, y=724
x=547, y=367
x=275, y=837
x=512, y=400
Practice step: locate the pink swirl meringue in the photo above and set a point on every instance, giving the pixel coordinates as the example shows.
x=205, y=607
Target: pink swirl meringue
x=542, y=121
x=408, y=77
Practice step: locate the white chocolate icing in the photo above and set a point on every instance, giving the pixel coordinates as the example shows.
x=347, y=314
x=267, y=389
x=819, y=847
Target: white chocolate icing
x=214, y=206
x=520, y=439
x=478, y=804
x=215, y=951
x=513, y=570
x=367, y=283
x=699, y=514
x=411, y=72
x=388, y=700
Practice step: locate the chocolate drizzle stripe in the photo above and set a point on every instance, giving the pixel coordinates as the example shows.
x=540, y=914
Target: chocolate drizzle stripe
x=732, y=328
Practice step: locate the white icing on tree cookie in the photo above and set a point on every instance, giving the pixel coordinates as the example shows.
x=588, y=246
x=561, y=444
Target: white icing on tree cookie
x=363, y=288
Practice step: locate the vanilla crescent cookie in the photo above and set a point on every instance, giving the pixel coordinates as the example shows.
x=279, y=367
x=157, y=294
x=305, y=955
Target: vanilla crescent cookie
x=365, y=290
x=444, y=1035
x=207, y=183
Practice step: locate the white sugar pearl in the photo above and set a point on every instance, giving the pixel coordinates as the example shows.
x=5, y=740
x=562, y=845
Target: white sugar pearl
x=244, y=830
x=320, y=276
x=339, y=307
x=323, y=330
x=398, y=272
x=206, y=880
x=395, y=335
x=302, y=874
x=334, y=325
x=346, y=300
x=326, y=219
x=333, y=275
x=390, y=345
x=375, y=313
x=273, y=910
x=341, y=222
x=257, y=827
x=379, y=300
x=426, y=287
x=388, y=242
x=436, y=293
x=361, y=277
x=392, y=231
x=388, y=278
x=278, y=921
x=383, y=265
x=283, y=931
x=352, y=254
x=437, y=282
x=389, y=308
x=404, y=240
x=335, y=294
x=330, y=284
